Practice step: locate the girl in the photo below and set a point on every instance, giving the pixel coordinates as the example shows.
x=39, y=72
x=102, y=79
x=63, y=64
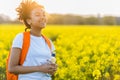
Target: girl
x=36, y=65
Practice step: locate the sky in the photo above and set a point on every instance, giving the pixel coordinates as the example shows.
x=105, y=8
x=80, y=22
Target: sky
x=79, y=7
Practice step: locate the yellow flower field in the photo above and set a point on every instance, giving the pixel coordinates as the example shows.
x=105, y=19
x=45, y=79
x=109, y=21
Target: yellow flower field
x=83, y=52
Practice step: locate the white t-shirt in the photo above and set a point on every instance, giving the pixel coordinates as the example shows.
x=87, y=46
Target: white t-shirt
x=38, y=54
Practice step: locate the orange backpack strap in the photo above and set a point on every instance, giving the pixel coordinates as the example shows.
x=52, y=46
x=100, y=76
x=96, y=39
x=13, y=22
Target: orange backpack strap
x=25, y=46
x=47, y=41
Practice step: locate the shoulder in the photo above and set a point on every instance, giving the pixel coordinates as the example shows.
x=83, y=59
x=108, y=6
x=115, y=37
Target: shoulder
x=49, y=41
x=19, y=35
x=18, y=40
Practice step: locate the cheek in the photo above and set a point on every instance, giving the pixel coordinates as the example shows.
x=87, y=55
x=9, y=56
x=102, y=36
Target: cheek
x=34, y=20
x=44, y=19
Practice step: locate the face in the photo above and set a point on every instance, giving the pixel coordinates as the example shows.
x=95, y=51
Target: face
x=37, y=18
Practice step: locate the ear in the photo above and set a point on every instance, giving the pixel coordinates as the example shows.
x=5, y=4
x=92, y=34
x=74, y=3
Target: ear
x=28, y=21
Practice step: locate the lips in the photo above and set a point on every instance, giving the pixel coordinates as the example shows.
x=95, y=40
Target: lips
x=43, y=24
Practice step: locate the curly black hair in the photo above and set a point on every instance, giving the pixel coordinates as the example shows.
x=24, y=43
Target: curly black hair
x=24, y=9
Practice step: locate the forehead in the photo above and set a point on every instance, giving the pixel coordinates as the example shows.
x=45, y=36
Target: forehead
x=37, y=10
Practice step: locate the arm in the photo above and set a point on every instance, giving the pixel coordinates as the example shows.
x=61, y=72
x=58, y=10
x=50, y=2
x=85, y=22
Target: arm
x=15, y=68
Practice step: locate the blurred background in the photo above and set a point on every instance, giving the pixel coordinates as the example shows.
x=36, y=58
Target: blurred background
x=78, y=12
x=85, y=33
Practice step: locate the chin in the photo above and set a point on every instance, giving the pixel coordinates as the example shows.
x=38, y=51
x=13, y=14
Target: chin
x=43, y=27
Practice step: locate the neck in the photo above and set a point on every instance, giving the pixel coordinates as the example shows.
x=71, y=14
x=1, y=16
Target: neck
x=35, y=32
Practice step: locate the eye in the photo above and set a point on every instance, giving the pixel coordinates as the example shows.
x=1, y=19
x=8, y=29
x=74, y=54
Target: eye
x=37, y=14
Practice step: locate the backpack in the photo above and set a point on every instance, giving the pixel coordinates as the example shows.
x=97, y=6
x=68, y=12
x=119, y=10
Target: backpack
x=25, y=47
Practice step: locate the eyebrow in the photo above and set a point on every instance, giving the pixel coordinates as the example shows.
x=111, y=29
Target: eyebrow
x=37, y=12
x=40, y=12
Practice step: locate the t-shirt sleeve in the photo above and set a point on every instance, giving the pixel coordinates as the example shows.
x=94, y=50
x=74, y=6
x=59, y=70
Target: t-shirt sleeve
x=18, y=40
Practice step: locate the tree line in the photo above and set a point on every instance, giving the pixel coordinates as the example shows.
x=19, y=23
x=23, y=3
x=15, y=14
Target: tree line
x=70, y=19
